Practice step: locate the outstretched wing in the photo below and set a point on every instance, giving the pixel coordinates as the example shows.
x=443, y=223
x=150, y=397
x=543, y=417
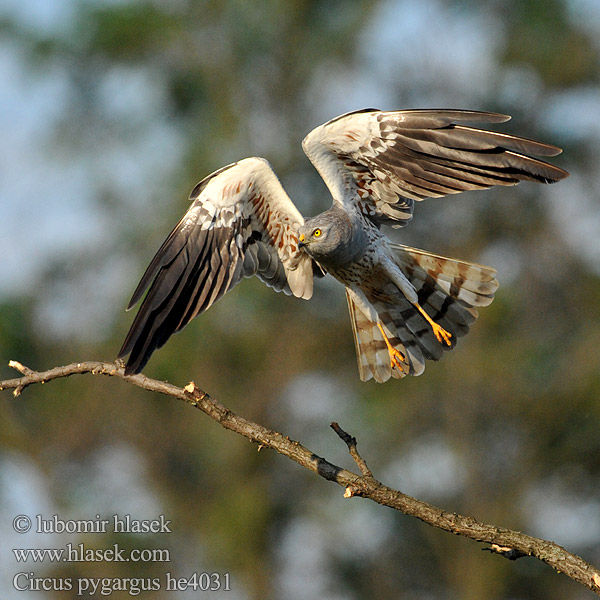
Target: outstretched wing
x=383, y=161
x=240, y=223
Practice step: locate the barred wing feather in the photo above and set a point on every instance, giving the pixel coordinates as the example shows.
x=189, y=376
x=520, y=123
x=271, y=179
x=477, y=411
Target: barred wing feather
x=240, y=223
x=384, y=161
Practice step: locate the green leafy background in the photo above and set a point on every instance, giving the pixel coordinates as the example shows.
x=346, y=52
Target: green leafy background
x=113, y=111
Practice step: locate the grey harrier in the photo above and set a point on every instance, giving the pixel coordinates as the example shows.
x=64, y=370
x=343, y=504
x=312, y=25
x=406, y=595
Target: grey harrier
x=406, y=305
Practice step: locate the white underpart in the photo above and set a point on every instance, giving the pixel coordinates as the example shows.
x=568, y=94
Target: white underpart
x=230, y=197
x=320, y=145
x=351, y=135
x=337, y=178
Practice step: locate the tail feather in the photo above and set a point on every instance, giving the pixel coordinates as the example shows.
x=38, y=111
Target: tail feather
x=447, y=289
x=371, y=350
x=473, y=283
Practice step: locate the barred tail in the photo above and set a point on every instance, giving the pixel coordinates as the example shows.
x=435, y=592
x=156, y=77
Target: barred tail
x=448, y=291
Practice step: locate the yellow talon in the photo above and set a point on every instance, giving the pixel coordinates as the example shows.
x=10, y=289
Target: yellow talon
x=397, y=359
x=440, y=333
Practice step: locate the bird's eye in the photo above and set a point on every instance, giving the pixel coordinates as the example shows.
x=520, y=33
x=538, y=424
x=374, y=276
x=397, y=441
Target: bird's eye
x=317, y=233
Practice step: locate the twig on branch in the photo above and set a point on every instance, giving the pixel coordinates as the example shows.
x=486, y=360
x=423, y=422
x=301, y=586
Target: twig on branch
x=350, y=441
x=508, y=543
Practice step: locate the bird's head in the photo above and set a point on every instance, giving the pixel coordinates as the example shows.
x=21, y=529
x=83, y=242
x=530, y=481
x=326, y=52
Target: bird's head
x=324, y=237
x=311, y=235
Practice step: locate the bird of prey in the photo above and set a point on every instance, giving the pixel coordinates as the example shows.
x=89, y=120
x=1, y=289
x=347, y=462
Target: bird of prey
x=406, y=305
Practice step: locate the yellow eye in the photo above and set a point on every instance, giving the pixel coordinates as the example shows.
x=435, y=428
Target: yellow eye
x=317, y=233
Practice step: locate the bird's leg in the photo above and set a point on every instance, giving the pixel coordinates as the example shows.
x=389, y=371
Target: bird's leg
x=397, y=359
x=441, y=334
x=410, y=293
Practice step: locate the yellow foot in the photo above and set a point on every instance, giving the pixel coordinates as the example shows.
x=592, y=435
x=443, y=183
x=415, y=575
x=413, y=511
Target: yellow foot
x=397, y=359
x=440, y=333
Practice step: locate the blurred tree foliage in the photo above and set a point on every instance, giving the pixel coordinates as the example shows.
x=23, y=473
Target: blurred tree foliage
x=515, y=408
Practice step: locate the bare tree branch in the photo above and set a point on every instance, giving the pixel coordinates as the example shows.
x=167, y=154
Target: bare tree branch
x=507, y=543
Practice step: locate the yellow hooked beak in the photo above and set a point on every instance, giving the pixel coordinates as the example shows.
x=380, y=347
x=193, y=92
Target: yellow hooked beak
x=301, y=243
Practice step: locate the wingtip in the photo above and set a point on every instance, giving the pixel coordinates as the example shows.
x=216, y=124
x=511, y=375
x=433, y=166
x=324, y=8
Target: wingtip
x=500, y=117
x=558, y=175
x=131, y=370
x=474, y=116
x=132, y=367
x=553, y=151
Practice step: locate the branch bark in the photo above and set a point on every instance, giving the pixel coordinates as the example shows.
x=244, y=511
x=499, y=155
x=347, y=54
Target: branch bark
x=507, y=543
